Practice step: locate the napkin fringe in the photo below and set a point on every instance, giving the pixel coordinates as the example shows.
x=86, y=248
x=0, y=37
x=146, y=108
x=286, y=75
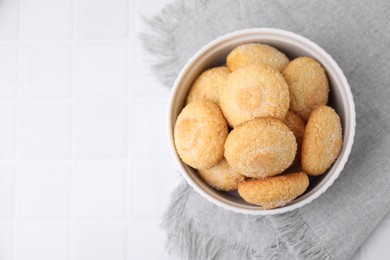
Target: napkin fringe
x=298, y=237
x=184, y=240
x=159, y=38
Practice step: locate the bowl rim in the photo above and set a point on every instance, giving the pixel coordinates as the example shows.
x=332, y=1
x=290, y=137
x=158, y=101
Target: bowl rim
x=222, y=202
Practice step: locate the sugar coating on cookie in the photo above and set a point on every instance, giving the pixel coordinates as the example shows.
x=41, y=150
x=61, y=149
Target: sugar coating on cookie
x=200, y=133
x=254, y=54
x=221, y=176
x=260, y=148
x=207, y=86
x=297, y=126
x=308, y=85
x=254, y=91
x=275, y=191
x=322, y=140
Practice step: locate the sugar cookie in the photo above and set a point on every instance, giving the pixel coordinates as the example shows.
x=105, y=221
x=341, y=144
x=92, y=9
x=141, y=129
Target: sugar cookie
x=308, y=85
x=208, y=85
x=322, y=140
x=275, y=191
x=254, y=54
x=200, y=133
x=221, y=176
x=254, y=91
x=297, y=126
x=260, y=148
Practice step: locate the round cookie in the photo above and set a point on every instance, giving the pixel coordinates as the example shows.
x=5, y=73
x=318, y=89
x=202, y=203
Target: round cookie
x=297, y=126
x=200, y=133
x=260, y=148
x=221, y=176
x=254, y=54
x=207, y=86
x=254, y=91
x=308, y=85
x=322, y=140
x=274, y=192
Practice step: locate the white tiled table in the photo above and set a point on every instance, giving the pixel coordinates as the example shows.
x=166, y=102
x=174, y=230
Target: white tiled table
x=85, y=171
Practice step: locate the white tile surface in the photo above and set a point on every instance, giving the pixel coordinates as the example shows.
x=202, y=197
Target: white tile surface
x=102, y=70
x=99, y=190
x=148, y=242
x=7, y=130
x=99, y=242
x=100, y=129
x=150, y=134
x=8, y=69
x=47, y=19
x=144, y=81
x=6, y=241
x=7, y=191
x=147, y=8
x=153, y=178
x=44, y=191
x=46, y=70
x=102, y=19
x=45, y=241
x=9, y=19
x=45, y=130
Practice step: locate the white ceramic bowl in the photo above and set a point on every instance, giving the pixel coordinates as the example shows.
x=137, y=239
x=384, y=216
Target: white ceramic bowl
x=293, y=45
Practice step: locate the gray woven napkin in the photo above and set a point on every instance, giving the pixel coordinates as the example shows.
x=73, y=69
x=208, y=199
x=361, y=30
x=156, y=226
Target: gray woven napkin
x=357, y=35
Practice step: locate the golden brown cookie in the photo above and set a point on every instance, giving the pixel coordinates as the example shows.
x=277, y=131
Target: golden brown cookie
x=308, y=84
x=208, y=85
x=221, y=176
x=254, y=54
x=260, y=148
x=200, y=133
x=297, y=126
x=322, y=140
x=254, y=91
x=275, y=191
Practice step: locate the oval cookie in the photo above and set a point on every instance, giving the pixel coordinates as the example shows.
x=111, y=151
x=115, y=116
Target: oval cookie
x=322, y=140
x=275, y=191
x=200, y=133
x=207, y=86
x=221, y=176
x=260, y=148
x=308, y=85
x=254, y=91
x=255, y=54
x=297, y=126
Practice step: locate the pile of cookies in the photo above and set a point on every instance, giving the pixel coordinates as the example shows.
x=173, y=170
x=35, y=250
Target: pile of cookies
x=246, y=124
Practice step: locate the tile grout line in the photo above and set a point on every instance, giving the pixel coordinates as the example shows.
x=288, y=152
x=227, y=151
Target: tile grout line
x=40, y=160
x=130, y=162
x=16, y=231
x=63, y=99
x=129, y=170
x=65, y=221
x=101, y=41
x=74, y=67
